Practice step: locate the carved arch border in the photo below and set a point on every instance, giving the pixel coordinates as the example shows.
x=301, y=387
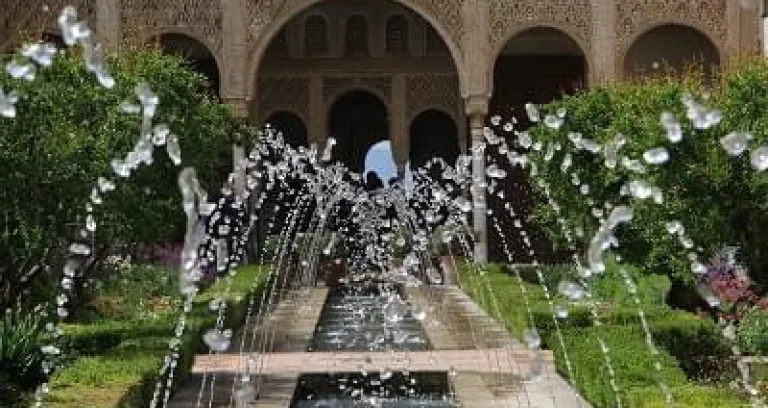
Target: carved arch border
x=336, y=94
x=292, y=110
x=192, y=34
x=268, y=32
x=519, y=30
x=625, y=45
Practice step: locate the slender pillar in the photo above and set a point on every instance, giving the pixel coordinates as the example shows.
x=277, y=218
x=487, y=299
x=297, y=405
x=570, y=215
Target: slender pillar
x=398, y=126
x=477, y=110
x=602, y=58
x=234, y=54
x=316, y=126
x=108, y=24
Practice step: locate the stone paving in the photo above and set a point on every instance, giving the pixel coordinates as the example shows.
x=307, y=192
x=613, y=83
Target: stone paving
x=290, y=327
x=454, y=322
x=487, y=366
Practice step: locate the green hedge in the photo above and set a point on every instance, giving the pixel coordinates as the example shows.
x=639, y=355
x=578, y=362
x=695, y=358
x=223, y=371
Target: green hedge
x=67, y=131
x=719, y=199
x=690, y=347
x=125, y=374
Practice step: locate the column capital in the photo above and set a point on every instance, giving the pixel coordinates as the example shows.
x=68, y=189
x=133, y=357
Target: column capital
x=476, y=106
x=239, y=105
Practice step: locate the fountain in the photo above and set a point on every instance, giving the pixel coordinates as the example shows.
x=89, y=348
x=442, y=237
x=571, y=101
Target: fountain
x=383, y=331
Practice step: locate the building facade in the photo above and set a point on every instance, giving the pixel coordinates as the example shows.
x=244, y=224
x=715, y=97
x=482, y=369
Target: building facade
x=425, y=74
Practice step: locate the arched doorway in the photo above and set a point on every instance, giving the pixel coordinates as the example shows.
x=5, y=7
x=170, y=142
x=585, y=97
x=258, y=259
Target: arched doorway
x=357, y=120
x=671, y=49
x=315, y=50
x=433, y=134
x=195, y=54
x=290, y=126
x=538, y=65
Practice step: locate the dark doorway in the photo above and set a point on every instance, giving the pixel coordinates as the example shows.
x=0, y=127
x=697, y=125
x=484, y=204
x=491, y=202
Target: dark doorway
x=196, y=55
x=291, y=127
x=433, y=134
x=671, y=49
x=357, y=121
x=539, y=66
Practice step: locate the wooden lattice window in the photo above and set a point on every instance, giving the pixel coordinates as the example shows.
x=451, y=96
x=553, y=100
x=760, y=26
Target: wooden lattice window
x=397, y=34
x=315, y=36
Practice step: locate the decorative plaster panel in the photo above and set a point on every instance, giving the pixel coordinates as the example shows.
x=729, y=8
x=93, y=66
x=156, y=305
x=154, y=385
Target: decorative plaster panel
x=634, y=17
x=203, y=17
x=573, y=17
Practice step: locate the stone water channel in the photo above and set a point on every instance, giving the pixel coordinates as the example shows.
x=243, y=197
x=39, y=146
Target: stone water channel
x=347, y=319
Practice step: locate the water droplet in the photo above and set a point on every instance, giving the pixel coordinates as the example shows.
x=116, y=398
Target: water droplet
x=494, y=171
x=105, y=185
x=41, y=53
x=759, y=158
x=533, y=112
x=90, y=223
x=80, y=249
x=672, y=127
x=525, y=140
x=532, y=338
x=561, y=311
x=571, y=290
x=735, y=143
x=130, y=108
x=658, y=155
x=7, y=103
x=675, y=227
x=23, y=70
x=640, y=189
x=173, y=149
x=160, y=134
x=553, y=122
x=217, y=340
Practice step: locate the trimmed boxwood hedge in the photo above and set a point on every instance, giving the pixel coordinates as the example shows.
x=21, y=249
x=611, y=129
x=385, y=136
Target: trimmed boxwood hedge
x=690, y=348
x=119, y=361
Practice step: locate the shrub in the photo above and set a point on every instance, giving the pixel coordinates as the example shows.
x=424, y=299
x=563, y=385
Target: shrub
x=700, y=348
x=719, y=199
x=132, y=292
x=67, y=131
x=753, y=332
x=125, y=374
x=685, y=396
x=21, y=358
x=630, y=357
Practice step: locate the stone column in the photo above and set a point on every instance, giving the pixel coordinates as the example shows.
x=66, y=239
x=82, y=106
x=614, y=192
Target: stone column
x=602, y=57
x=234, y=54
x=476, y=90
x=317, y=131
x=477, y=110
x=109, y=24
x=398, y=122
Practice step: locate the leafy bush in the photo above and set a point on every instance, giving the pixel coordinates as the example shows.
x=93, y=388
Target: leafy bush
x=700, y=348
x=690, y=346
x=67, y=131
x=21, y=358
x=610, y=286
x=753, y=332
x=124, y=374
x=719, y=199
x=132, y=292
x=685, y=396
